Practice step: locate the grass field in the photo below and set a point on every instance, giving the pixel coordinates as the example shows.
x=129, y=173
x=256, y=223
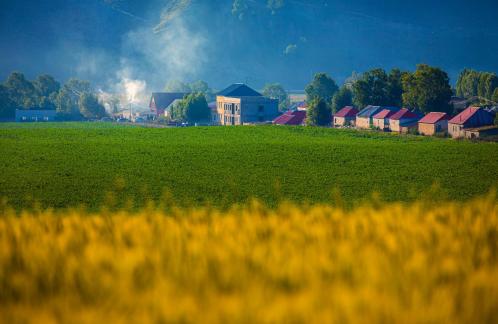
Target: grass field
x=394, y=263
x=72, y=164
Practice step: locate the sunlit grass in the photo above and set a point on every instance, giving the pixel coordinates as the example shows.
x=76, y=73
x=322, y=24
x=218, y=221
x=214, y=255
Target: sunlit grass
x=379, y=263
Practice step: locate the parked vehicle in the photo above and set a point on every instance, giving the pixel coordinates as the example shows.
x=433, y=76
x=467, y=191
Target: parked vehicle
x=122, y=120
x=107, y=119
x=139, y=120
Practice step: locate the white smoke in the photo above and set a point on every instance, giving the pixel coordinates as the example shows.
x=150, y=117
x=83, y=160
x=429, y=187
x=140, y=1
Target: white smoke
x=177, y=52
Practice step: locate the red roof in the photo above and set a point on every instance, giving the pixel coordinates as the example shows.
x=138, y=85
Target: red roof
x=434, y=117
x=291, y=118
x=465, y=115
x=347, y=112
x=404, y=114
x=385, y=113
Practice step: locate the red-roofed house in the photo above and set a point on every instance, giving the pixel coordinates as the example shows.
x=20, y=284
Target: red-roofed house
x=403, y=120
x=345, y=117
x=432, y=123
x=295, y=118
x=381, y=119
x=471, y=117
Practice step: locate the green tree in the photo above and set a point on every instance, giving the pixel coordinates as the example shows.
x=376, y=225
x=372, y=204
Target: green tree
x=276, y=91
x=468, y=83
x=90, y=107
x=21, y=91
x=322, y=87
x=319, y=113
x=7, y=107
x=428, y=89
x=177, y=86
x=203, y=87
x=45, y=85
x=47, y=89
x=488, y=82
x=372, y=89
x=343, y=98
x=196, y=108
x=495, y=96
x=68, y=100
x=395, y=88
x=177, y=111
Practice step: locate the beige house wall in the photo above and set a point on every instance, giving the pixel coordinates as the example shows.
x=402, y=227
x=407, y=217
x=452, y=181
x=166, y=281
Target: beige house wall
x=432, y=129
x=395, y=126
x=427, y=129
x=380, y=123
x=363, y=122
x=344, y=121
x=456, y=131
x=245, y=110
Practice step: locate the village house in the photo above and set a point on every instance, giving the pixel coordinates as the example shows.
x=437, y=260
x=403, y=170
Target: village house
x=23, y=115
x=345, y=117
x=239, y=104
x=381, y=119
x=404, y=120
x=433, y=123
x=295, y=118
x=162, y=101
x=472, y=117
x=364, y=119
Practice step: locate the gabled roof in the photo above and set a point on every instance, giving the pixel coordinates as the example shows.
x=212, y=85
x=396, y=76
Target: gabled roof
x=369, y=111
x=404, y=114
x=434, y=117
x=384, y=113
x=291, y=118
x=164, y=99
x=239, y=90
x=347, y=111
x=483, y=116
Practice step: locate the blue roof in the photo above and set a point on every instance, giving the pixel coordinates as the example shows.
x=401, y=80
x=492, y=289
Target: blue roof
x=369, y=111
x=239, y=90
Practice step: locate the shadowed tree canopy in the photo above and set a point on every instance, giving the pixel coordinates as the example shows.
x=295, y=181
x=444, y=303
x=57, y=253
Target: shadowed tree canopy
x=319, y=113
x=428, y=89
x=322, y=87
x=277, y=91
x=343, y=98
x=378, y=88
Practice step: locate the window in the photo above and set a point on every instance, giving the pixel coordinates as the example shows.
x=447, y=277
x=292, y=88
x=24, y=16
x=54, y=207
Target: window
x=261, y=109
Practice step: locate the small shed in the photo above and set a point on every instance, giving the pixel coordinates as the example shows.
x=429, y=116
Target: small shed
x=345, y=117
x=472, y=117
x=480, y=132
x=35, y=115
x=432, y=123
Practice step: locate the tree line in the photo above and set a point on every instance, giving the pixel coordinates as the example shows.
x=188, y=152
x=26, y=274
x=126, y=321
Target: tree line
x=426, y=89
x=74, y=100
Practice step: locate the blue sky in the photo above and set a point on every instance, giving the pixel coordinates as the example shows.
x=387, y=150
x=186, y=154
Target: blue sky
x=100, y=42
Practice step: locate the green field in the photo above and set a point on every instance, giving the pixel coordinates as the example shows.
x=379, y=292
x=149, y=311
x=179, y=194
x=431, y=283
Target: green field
x=73, y=164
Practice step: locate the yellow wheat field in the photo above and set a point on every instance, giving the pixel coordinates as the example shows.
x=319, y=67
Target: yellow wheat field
x=388, y=263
